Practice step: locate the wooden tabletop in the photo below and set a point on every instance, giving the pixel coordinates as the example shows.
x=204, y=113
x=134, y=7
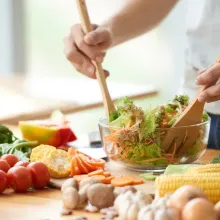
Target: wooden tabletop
x=46, y=204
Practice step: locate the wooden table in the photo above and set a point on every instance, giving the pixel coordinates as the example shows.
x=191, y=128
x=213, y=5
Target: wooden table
x=46, y=204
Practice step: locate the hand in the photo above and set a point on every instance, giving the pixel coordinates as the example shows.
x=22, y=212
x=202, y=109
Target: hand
x=80, y=49
x=210, y=77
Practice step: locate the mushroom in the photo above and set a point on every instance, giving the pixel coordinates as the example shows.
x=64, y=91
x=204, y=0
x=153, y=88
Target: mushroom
x=198, y=209
x=70, y=183
x=83, y=187
x=101, y=195
x=184, y=194
x=70, y=198
x=89, y=180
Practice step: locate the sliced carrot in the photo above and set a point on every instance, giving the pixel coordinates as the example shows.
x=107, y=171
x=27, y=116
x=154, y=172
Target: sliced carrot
x=96, y=162
x=74, y=167
x=137, y=181
x=86, y=164
x=107, y=174
x=108, y=179
x=81, y=177
x=81, y=166
x=100, y=177
x=122, y=181
x=97, y=172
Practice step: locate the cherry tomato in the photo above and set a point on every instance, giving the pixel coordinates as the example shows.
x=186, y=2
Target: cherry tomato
x=10, y=158
x=22, y=163
x=4, y=166
x=40, y=174
x=3, y=181
x=19, y=178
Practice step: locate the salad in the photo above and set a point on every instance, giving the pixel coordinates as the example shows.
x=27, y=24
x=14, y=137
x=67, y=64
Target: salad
x=136, y=134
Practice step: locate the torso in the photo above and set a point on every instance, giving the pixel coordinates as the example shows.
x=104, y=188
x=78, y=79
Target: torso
x=203, y=43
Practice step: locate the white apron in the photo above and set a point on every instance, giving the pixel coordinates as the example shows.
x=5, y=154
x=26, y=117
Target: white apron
x=203, y=44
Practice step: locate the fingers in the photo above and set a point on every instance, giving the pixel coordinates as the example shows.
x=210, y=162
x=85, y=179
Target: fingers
x=209, y=76
x=210, y=94
x=99, y=36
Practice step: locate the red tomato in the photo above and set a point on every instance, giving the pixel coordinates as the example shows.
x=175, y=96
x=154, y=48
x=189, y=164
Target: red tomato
x=40, y=174
x=3, y=181
x=19, y=178
x=22, y=163
x=10, y=158
x=4, y=166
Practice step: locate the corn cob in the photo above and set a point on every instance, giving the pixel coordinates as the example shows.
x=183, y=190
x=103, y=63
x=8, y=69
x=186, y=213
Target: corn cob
x=208, y=168
x=208, y=182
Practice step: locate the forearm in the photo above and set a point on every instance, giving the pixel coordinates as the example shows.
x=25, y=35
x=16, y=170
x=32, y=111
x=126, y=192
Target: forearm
x=138, y=17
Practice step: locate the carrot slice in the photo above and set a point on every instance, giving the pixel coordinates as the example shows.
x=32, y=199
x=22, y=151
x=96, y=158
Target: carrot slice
x=74, y=167
x=89, y=166
x=108, y=179
x=96, y=162
x=97, y=172
x=81, y=166
x=81, y=177
x=122, y=181
x=100, y=177
x=137, y=181
x=107, y=174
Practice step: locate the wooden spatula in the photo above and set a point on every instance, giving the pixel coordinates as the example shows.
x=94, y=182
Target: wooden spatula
x=87, y=27
x=183, y=138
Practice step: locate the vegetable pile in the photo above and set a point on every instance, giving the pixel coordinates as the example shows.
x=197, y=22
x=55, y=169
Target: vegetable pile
x=22, y=175
x=136, y=135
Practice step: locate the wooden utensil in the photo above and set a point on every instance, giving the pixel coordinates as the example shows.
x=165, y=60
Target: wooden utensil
x=183, y=138
x=87, y=27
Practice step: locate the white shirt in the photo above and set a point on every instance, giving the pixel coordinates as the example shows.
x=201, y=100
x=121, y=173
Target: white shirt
x=203, y=44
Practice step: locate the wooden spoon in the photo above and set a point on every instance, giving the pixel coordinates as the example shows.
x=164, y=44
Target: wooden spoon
x=183, y=138
x=87, y=27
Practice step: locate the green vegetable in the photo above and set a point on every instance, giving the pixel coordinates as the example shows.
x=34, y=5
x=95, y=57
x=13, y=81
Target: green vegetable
x=216, y=159
x=9, y=144
x=205, y=116
x=121, y=121
x=148, y=176
x=178, y=169
x=22, y=149
x=182, y=99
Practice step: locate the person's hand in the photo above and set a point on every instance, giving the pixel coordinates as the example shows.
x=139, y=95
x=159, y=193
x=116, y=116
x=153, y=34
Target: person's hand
x=210, y=77
x=80, y=49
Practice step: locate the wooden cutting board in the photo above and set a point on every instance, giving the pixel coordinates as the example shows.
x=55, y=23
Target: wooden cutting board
x=117, y=170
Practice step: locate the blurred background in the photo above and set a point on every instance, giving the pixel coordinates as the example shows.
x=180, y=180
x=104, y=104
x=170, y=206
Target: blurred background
x=35, y=75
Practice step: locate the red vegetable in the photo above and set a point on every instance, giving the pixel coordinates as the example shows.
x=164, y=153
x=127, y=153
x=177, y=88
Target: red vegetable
x=40, y=174
x=3, y=181
x=22, y=163
x=4, y=166
x=19, y=178
x=10, y=158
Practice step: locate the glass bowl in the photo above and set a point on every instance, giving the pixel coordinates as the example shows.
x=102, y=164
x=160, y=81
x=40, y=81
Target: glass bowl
x=149, y=156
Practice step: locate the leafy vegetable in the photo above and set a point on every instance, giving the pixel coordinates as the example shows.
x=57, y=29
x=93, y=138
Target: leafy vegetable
x=182, y=99
x=9, y=144
x=216, y=159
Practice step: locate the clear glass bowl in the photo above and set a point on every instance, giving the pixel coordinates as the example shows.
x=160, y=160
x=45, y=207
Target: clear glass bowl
x=138, y=157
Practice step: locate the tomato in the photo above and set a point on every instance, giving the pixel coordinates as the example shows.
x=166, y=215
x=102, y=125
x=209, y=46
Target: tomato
x=3, y=181
x=10, y=158
x=22, y=163
x=19, y=178
x=4, y=166
x=40, y=174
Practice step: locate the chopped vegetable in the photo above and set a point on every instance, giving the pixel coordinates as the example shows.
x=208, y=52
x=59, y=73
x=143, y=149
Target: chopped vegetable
x=122, y=181
x=178, y=169
x=108, y=179
x=148, y=176
x=216, y=159
x=57, y=161
x=55, y=132
x=80, y=177
x=137, y=135
x=97, y=172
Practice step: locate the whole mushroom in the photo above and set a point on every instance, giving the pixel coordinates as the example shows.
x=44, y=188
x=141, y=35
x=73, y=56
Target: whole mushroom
x=101, y=195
